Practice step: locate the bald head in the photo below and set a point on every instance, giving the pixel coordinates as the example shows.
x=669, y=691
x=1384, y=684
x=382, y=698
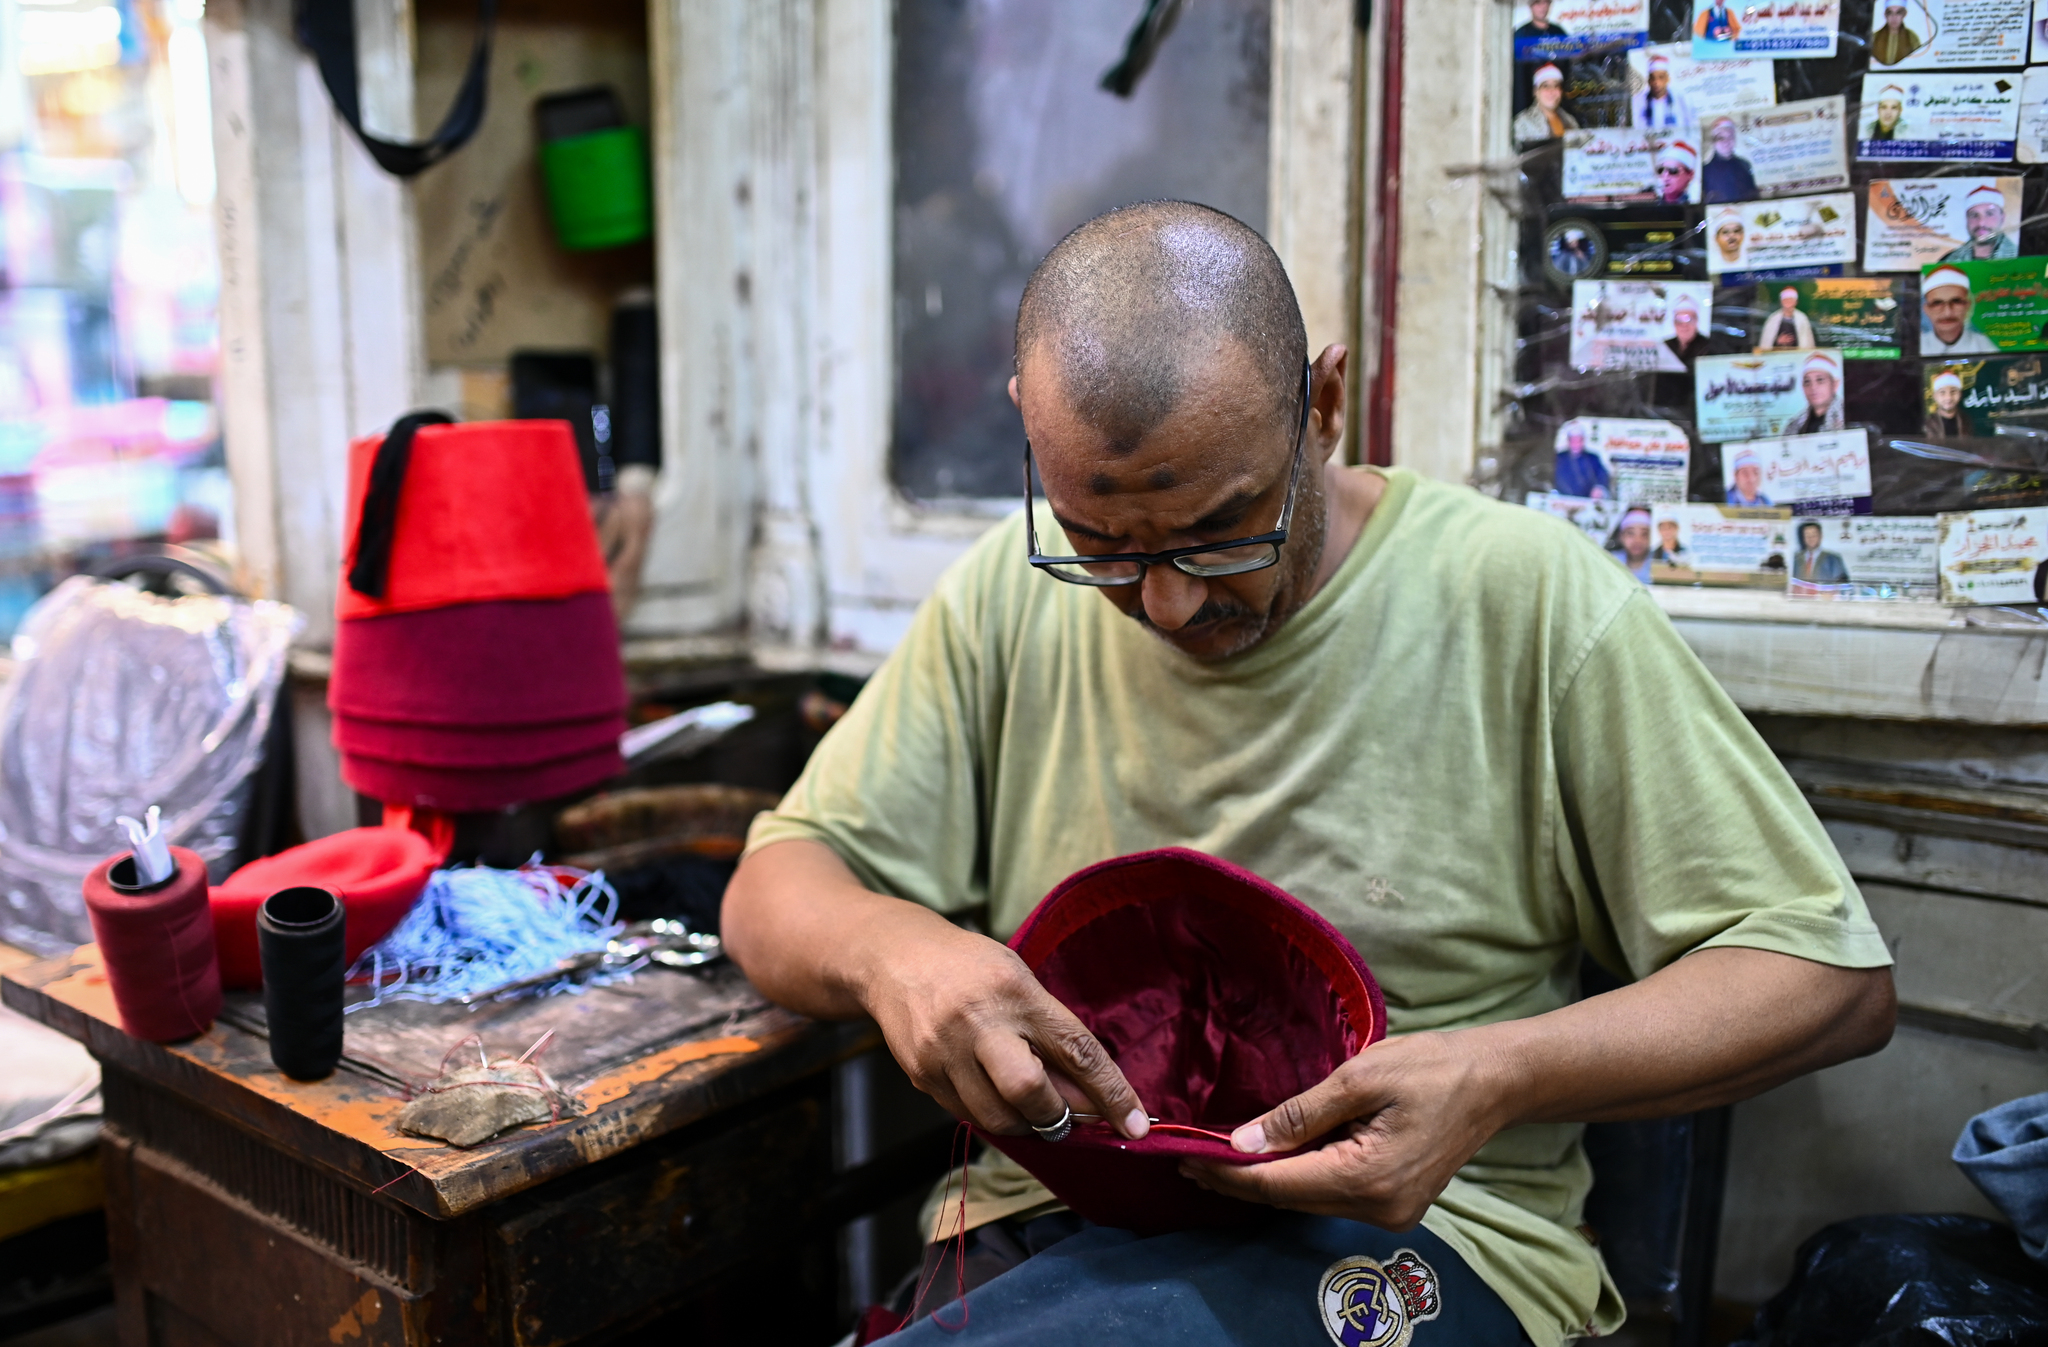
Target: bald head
x=1128, y=308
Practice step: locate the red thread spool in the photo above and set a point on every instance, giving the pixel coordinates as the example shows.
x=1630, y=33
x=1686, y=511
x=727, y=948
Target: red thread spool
x=157, y=943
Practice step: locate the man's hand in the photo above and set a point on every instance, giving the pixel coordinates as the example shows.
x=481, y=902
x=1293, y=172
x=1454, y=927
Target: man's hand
x=1409, y=1112
x=962, y=1014
x=1715, y=1027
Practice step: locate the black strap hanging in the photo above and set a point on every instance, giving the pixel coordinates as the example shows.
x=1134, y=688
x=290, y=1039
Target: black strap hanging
x=379, y=523
x=327, y=29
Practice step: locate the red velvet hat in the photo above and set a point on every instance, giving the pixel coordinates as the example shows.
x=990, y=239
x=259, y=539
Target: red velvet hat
x=379, y=873
x=1219, y=996
x=458, y=790
x=478, y=746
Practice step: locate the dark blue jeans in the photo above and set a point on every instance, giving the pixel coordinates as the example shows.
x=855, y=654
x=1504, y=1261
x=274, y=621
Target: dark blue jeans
x=1293, y=1281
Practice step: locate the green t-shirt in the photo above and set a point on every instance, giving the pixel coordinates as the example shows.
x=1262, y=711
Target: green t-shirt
x=1480, y=747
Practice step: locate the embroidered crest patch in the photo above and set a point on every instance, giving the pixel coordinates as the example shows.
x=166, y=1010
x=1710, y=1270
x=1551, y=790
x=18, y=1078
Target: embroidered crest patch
x=1366, y=1303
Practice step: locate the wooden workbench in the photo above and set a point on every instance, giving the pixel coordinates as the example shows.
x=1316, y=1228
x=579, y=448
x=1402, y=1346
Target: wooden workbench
x=693, y=1201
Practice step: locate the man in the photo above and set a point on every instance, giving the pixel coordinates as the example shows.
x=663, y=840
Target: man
x=1945, y=304
x=1729, y=234
x=1632, y=543
x=1420, y=711
x=1893, y=42
x=1811, y=565
x=1571, y=254
x=1749, y=475
x=1787, y=326
x=1984, y=221
x=1717, y=23
x=1945, y=421
x=1821, y=381
x=1579, y=473
x=1677, y=163
x=1657, y=107
x=1539, y=28
x=1670, y=551
x=1726, y=176
x=1891, y=107
x=1544, y=119
x=1686, y=342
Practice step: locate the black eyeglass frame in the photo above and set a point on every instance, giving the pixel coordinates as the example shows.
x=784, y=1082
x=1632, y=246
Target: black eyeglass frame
x=1175, y=556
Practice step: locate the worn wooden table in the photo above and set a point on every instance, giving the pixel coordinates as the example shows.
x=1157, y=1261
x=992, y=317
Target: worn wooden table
x=693, y=1201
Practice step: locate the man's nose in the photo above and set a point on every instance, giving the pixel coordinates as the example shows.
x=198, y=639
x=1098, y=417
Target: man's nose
x=1171, y=596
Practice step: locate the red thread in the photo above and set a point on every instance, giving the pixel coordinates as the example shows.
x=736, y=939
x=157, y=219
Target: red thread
x=158, y=950
x=963, y=1137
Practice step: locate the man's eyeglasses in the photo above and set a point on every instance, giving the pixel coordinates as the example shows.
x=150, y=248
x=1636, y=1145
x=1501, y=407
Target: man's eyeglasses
x=1205, y=560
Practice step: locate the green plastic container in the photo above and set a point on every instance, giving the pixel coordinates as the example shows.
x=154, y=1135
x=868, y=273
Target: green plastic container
x=596, y=185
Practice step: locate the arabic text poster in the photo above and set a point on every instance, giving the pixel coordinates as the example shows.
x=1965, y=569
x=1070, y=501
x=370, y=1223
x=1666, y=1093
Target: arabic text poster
x=1954, y=118
x=1637, y=325
x=1864, y=556
x=1918, y=221
x=1800, y=236
x=1948, y=34
x=1748, y=397
x=1566, y=29
x=1993, y=556
x=1811, y=474
x=1727, y=29
x=1694, y=90
x=1718, y=545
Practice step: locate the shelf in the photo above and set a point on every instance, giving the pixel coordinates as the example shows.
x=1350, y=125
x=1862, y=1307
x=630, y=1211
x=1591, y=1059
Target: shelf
x=1884, y=661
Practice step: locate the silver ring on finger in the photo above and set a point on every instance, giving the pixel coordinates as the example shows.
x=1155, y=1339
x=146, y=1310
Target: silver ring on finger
x=1057, y=1131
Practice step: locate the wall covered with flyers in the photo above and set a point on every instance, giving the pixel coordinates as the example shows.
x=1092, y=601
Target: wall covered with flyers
x=1782, y=303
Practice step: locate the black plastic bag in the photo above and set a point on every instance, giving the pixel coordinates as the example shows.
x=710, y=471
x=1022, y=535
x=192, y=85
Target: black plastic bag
x=1891, y=1281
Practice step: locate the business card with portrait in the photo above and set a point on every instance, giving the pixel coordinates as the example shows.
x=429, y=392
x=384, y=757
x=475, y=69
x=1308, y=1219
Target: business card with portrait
x=1718, y=545
x=2038, y=48
x=1630, y=325
x=1635, y=461
x=1952, y=118
x=1972, y=398
x=1827, y=473
x=1855, y=316
x=1792, y=149
x=1864, y=557
x=1948, y=34
x=1915, y=222
x=1754, y=397
x=1561, y=30
x=1984, y=308
x=1993, y=556
x=1781, y=240
x=1728, y=29
x=1654, y=242
x=1668, y=90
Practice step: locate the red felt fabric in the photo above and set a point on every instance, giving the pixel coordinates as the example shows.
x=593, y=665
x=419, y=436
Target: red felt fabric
x=470, y=790
x=489, y=510
x=508, y=663
x=379, y=873
x=481, y=746
x=1218, y=994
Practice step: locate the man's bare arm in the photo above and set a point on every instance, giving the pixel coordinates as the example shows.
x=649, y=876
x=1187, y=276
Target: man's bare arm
x=1715, y=1027
x=964, y=1016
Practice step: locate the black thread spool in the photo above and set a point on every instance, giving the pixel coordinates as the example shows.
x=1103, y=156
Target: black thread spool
x=299, y=932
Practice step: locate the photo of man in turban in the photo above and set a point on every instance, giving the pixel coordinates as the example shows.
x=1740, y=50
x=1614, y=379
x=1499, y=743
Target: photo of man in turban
x=1677, y=164
x=1728, y=237
x=1686, y=341
x=1726, y=175
x=1945, y=420
x=1945, y=305
x=1749, y=476
x=1820, y=379
x=1984, y=221
x=1891, y=112
x=1580, y=472
x=1658, y=107
x=1787, y=326
x=1545, y=118
x=1893, y=42
x=1631, y=543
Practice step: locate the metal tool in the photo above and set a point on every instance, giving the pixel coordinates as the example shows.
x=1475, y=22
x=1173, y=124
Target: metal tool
x=670, y=943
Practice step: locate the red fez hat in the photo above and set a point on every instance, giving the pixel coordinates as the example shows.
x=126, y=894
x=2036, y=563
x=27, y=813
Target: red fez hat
x=378, y=872
x=1218, y=994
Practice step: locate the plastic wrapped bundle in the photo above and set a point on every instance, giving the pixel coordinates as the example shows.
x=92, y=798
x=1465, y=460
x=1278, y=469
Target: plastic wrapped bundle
x=120, y=700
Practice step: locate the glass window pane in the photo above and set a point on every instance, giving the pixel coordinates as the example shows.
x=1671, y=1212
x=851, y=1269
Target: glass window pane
x=1004, y=142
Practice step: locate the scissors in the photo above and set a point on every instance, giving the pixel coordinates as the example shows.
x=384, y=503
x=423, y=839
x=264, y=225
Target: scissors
x=665, y=941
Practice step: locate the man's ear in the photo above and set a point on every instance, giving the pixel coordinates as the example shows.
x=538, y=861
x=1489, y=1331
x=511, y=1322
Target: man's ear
x=1014, y=402
x=1326, y=400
